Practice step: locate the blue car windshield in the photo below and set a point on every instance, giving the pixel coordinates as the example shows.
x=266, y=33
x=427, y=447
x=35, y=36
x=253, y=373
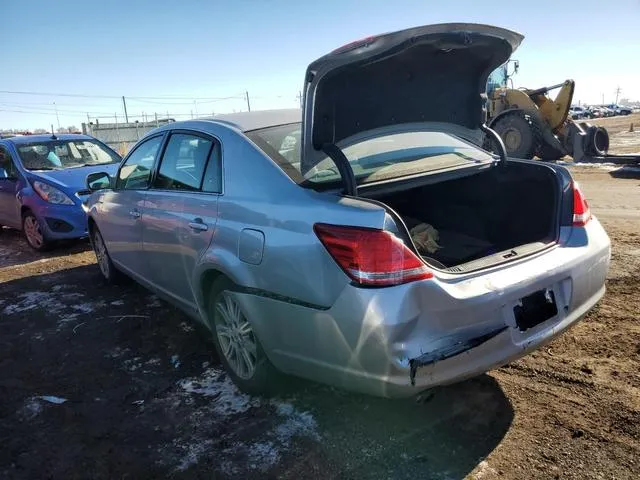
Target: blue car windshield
x=62, y=154
x=378, y=158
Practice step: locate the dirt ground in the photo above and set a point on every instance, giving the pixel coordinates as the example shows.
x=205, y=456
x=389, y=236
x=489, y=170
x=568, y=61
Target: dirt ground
x=622, y=139
x=110, y=382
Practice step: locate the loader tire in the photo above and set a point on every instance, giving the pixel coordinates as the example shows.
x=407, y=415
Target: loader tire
x=549, y=153
x=520, y=135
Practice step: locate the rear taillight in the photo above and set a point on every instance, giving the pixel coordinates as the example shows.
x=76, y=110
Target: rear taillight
x=581, y=211
x=372, y=257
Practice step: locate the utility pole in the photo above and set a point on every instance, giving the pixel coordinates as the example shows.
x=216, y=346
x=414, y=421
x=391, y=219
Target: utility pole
x=603, y=99
x=246, y=94
x=300, y=97
x=195, y=107
x=57, y=118
x=124, y=104
x=618, y=91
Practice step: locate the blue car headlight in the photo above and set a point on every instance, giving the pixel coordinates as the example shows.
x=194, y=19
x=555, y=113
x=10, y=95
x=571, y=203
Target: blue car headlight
x=51, y=194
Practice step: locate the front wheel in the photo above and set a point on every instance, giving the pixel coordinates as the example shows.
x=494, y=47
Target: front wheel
x=103, y=259
x=33, y=233
x=521, y=136
x=237, y=344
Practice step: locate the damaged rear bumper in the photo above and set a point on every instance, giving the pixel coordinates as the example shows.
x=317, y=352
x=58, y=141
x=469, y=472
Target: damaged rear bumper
x=398, y=341
x=456, y=347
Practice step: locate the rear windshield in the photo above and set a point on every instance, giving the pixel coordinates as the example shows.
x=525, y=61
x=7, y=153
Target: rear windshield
x=62, y=154
x=381, y=158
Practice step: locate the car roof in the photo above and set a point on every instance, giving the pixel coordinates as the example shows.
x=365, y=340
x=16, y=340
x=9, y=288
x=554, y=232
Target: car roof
x=46, y=138
x=247, y=121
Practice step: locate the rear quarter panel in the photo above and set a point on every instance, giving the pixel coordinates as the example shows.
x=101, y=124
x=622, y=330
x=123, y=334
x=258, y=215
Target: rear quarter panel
x=259, y=196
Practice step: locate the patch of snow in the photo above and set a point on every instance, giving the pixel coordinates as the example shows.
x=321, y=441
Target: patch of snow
x=52, y=399
x=228, y=399
x=38, y=336
x=153, y=361
x=295, y=423
x=117, y=352
x=263, y=455
x=85, y=307
x=117, y=303
x=65, y=305
x=193, y=453
x=175, y=361
x=57, y=288
x=282, y=420
x=133, y=364
x=606, y=166
x=31, y=408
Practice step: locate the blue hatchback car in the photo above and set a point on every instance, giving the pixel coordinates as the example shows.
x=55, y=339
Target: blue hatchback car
x=43, y=184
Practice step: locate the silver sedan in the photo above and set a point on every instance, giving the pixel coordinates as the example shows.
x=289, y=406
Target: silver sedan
x=367, y=240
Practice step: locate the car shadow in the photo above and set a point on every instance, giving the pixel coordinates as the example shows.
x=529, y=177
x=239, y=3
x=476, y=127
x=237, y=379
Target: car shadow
x=442, y=433
x=107, y=348
x=14, y=249
x=630, y=172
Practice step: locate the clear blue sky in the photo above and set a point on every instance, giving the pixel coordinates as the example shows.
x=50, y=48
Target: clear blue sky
x=207, y=49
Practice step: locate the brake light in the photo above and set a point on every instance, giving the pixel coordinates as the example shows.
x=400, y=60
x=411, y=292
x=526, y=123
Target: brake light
x=353, y=45
x=372, y=257
x=581, y=211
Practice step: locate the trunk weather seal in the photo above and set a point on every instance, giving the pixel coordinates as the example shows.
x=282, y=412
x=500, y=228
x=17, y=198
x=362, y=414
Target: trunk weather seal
x=450, y=351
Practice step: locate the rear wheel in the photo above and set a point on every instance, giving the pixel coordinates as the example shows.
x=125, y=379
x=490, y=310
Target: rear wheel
x=236, y=342
x=33, y=232
x=520, y=136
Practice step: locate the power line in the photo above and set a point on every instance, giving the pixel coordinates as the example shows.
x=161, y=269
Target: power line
x=80, y=95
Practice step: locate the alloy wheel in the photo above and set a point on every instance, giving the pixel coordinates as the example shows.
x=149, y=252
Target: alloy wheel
x=235, y=336
x=32, y=232
x=102, y=257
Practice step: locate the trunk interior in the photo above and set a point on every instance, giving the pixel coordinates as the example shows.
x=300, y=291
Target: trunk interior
x=498, y=214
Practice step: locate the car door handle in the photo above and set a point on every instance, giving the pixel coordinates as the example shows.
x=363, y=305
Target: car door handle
x=134, y=213
x=198, y=225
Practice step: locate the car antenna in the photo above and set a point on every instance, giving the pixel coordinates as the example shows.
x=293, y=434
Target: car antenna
x=53, y=135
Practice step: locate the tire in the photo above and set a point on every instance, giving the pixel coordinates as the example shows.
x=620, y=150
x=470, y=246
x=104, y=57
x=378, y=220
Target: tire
x=108, y=270
x=33, y=232
x=549, y=153
x=238, y=347
x=520, y=136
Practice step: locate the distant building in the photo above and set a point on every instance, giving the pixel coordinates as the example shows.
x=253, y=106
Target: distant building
x=122, y=136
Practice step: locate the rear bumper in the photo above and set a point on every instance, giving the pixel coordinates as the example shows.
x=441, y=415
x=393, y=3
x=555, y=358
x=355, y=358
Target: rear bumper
x=367, y=340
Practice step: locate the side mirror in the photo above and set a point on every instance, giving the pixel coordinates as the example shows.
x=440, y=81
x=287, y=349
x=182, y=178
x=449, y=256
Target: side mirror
x=98, y=181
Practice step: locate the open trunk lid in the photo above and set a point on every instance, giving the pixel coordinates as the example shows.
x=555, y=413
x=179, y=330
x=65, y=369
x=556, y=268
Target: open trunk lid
x=418, y=78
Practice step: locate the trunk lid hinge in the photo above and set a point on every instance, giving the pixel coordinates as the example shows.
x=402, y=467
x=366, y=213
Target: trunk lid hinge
x=502, y=150
x=344, y=168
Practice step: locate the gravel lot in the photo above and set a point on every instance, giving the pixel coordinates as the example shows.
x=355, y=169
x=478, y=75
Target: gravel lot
x=110, y=382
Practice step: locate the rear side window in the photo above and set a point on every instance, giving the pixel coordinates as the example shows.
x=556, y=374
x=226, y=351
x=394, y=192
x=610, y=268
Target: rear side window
x=383, y=157
x=135, y=174
x=183, y=163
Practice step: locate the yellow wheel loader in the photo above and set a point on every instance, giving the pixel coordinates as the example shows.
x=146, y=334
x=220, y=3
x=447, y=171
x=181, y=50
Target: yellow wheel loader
x=532, y=124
